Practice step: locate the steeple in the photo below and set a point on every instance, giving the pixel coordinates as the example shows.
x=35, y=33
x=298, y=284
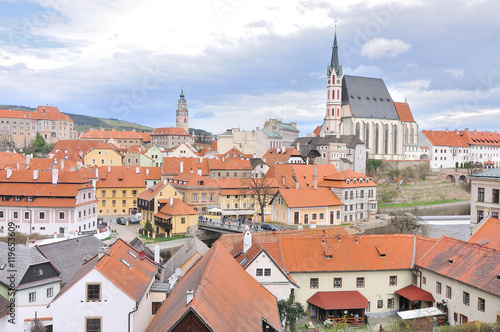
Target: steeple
x=334, y=63
x=182, y=117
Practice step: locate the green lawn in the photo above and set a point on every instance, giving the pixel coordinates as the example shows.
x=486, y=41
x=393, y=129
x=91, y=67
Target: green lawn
x=444, y=201
x=147, y=239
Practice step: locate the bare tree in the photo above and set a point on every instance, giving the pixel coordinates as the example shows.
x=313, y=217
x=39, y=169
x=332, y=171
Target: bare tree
x=7, y=142
x=263, y=190
x=37, y=325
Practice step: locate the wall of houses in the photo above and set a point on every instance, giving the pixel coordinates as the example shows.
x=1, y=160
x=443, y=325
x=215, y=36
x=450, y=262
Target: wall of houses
x=455, y=302
x=485, y=198
x=103, y=157
x=376, y=286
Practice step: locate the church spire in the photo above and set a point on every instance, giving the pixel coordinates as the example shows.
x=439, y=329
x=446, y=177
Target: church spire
x=334, y=63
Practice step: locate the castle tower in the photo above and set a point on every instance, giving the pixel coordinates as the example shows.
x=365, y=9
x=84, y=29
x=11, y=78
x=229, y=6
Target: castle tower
x=181, y=115
x=331, y=123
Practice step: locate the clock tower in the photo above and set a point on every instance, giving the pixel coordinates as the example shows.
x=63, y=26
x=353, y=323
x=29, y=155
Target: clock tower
x=181, y=117
x=331, y=123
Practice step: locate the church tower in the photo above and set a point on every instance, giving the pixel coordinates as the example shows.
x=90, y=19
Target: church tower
x=181, y=117
x=332, y=119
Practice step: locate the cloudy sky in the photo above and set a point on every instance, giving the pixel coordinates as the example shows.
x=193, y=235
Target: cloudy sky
x=241, y=62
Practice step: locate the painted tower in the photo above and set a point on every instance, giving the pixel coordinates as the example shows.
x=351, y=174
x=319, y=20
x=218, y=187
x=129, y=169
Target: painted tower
x=181, y=116
x=331, y=123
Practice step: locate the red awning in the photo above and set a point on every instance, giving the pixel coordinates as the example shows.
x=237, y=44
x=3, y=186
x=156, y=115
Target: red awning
x=413, y=293
x=339, y=300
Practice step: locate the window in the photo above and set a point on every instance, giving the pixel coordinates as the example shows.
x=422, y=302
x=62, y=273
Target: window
x=50, y=292
x=1, y=214
x=61, y=215
x=424, y=280
x=337, y=282
x=481, y=304
x=212, y=197
x=124, y=202
x=414, y=278
x=113, y=193
x=466, y=298
x=259, y=272
x=183, y=220
x=113, y=202
x=338, y=214
x=16, y=215
x=314, y=216
x=124, y=193
x=41, y=215
x=93, y=292
x=314, y=282
x=380, y=304
x=32, y=297
x=321, y=216
x=480, y=215
x=368, y=306
x=267, y=272
x=38, y=272
x=390, y=303
x=93, y=324
x=134, y=192
x=103, y=193
x=438, y=287
x=26, y=215
x=496, y=195
x=195, y=197
x=203, y=197
x=480, y=194
x=155, y=306
x=393, y=280
x=360, y=282
x=448, y=292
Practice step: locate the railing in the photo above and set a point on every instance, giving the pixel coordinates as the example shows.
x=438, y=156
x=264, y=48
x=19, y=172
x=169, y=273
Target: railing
x=345, y=320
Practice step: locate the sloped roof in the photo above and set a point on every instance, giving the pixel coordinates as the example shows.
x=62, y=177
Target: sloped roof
x=172, y=165
x=120, y=177
x=114, y=134
x=70, y=146
x=178, y=208
x=69, y=255
x=192, y=180
x=278, y=156
x=452, y=258
x=41, y=113
x=25, y=257
x=132, y=280
x=404, y=112
x=336, y=300
x=11, y=159
x=308, y=197
x=287, y=174
x=368, y=97
x=4, y=306
x=445, y=138
x=370, y=253
x=174, y=131
x=185, y=253
x=229, y=164
x=486, y=234
x=491, y=174
x=481, y=137
x=152, y=191
x=339, y=180
x=223, y=293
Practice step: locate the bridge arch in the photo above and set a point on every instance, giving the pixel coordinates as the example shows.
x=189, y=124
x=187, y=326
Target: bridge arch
x=450, y=178
x=463, y=179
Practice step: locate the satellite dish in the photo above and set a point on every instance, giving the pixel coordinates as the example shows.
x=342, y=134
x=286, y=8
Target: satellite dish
x=142, y=255
x=178, y=272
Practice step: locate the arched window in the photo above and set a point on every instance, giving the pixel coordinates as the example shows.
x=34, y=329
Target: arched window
x=377, y=137
x=338, y=94
x=357, y=130
x=411, y=135
x=328, y=95
x=395, y=138
x=338, y=112
x=386, y=139
x=367, y=135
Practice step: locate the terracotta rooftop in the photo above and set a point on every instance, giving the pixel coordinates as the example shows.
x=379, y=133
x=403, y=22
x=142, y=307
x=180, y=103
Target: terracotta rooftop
x=287, y=174
x=114, y=134
x=178, y=165
x=178, y=208
x=234, y=153
x=278, y=156
x=308, y=197
x=404, y=112
x=481, y=137
x=41, y=113
x=120, y=177
x=229, y=164
x=486, y=234
x=170, y=131
x=70, y=146
x=192, y=180
x=11, y=160
x=225, y=297
x=452, y=258
x=445, y=138
x=347, y=179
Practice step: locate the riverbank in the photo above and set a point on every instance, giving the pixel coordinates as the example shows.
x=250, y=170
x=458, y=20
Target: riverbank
x=462, y=207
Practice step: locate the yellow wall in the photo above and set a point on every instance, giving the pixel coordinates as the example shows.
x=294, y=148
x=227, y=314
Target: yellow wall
x=103, y=157
x=123, y=202
x=165, y=193
x=179, y=228
x=282, y=213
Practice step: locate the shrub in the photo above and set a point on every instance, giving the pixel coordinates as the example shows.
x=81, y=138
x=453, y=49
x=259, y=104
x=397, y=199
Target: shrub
x=148, y=227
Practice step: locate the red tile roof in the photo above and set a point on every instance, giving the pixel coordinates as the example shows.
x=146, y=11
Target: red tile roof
x=192, y=180
x=308, y=197
x=41, y=113
x=120, y=177
x=70, y=146
x=413, y=293
x=234, y=153
x=286, y=175
x=339, y=180
x=277, y=156
x=152, y=191
x=172, y=165
x=486, y=234
x=229, y=164
x=170, y=131
x=11, y=159
x=133, y=280
x=480, y=137
x=404, y=112
x=452, y=258
x=336, y=300
x=114, y=134
x=226, y=297
x=445, y=138
x=178, y=208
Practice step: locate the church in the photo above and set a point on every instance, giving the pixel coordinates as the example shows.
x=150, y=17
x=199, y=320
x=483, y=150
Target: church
x=362, y=106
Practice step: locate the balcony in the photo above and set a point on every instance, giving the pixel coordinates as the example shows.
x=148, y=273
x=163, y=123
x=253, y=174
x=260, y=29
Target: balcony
x=165, y=225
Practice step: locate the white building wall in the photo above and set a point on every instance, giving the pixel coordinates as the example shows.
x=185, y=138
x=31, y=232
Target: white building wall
x=71, y=308
x=455, y=303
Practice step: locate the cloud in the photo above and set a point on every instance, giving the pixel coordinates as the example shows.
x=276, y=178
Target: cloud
x=455, y=73
x=203, y=115
x=381, y=47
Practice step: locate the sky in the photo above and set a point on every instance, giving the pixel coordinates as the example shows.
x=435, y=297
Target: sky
x=242, y=62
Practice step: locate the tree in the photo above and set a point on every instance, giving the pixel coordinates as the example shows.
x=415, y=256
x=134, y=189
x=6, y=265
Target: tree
x=39, y=144
x=290, y=312
x=148, y=228
x=7, y=142
x=262, y=189
x=37, y=325
x=404, y=222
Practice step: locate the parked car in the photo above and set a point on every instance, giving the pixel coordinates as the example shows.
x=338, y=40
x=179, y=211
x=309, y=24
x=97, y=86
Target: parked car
x=133, y=220
x=268, y=227
x=121, y=221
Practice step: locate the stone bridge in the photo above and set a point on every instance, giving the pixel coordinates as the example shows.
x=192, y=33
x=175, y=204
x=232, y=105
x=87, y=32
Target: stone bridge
x=456, y=177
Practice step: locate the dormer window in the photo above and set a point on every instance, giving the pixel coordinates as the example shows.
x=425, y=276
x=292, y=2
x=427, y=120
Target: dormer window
x=367, y=180
x=17, y=198
x=348, y=181
x=354, y=180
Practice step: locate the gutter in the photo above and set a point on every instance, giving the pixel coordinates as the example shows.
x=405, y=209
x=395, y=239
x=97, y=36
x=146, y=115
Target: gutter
x=133, y=310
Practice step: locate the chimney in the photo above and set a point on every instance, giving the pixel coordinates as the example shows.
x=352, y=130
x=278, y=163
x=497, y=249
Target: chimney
x=9, y=173
x=157, y=253
x=283, y=179
x=298, y=146
x=28, y=159
x=55, y=175
x=104, y=250
x=62, y=164
x=199, y=171
x=137, y=170
x=182, y=167
x=338, y=237
x=35, y=175
x=147, y=171
x=189, y=295
x=356, y=239
x=109, y=169
x=171, y=201
x=315, y=176
x=247, y=241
